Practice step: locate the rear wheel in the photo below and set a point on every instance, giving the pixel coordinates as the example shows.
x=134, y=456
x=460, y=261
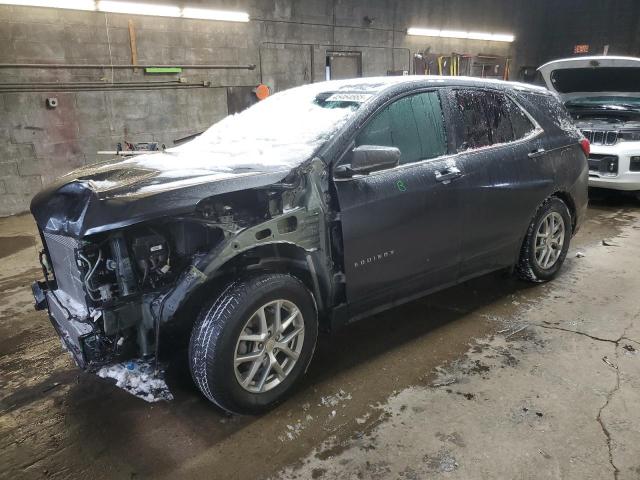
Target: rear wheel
x=251, y=344
x=546, y=244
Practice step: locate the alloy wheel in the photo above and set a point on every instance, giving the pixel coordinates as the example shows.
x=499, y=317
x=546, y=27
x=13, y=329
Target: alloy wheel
x=549, y=240
x=269, y=346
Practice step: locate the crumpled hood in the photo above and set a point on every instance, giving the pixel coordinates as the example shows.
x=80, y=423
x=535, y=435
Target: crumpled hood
x=118, y=193
x=254, y=148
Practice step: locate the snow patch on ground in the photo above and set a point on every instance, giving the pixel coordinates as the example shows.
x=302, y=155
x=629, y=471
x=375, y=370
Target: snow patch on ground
x=294, y=430
x=139, y=378
x=335, y=399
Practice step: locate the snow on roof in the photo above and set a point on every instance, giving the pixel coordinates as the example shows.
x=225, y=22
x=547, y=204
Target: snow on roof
x=281, y=131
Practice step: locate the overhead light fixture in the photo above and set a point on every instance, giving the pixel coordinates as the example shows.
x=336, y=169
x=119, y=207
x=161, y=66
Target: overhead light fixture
x=135, y=8
x=69, y=4
x=138, y=8
x=430, y=32
x=207, y=14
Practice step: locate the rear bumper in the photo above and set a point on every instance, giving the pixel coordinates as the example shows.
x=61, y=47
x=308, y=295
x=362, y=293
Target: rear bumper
x=77, y=334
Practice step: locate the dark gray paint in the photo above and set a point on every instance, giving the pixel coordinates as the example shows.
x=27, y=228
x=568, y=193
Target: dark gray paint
x=406, y=241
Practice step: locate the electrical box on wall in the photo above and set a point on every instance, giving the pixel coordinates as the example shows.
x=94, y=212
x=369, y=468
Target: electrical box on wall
x=343, y=64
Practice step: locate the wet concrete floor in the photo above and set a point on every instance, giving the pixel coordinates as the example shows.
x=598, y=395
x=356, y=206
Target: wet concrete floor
x=484, y=380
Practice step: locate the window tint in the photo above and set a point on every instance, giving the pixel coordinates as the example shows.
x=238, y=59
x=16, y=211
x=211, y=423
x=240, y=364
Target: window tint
x=489, y=118
x=414, y=124
x=475, y=127
x=522, y=126
x=500, y=129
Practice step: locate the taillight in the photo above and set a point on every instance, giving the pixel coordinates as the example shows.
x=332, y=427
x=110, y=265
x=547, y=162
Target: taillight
x=586, y=146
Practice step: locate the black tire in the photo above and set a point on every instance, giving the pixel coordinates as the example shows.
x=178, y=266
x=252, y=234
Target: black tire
x=216, y=332
x=528, y=267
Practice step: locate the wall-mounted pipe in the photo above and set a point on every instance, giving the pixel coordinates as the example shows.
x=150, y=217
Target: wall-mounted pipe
x=95, y=83
x=97, y=88
x=125, y=66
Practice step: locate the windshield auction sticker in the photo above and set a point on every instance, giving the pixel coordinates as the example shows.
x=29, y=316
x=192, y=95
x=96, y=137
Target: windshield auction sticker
x=349, y=97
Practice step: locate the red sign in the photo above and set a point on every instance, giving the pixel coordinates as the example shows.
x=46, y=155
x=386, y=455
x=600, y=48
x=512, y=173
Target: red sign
x=583, y=48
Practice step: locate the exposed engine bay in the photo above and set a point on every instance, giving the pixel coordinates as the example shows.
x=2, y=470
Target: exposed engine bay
x=124, y=285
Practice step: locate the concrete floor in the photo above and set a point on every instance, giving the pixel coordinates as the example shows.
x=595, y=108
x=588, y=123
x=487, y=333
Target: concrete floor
x=491, y=379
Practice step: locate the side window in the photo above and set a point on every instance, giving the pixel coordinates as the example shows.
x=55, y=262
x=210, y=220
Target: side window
x=475, y=127
x=500, y=128
x=489, y=118
x=414, y=124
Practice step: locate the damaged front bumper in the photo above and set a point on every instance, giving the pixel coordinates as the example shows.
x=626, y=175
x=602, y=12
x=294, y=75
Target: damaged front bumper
x=138, y=377
x=77, y=334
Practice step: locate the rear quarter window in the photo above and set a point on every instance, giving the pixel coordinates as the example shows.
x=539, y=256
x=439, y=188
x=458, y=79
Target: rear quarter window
x=549, y=112
x=522, y=125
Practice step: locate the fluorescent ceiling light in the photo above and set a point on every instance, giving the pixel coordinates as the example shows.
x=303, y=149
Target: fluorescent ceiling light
x=138, y=8
x=207, y=14
x=67, y=4
x=135, y=8
x=429, y=32
x=453, y=34
x=502, y=38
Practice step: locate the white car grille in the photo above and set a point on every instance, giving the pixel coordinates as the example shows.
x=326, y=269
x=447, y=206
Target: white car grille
x=601, y=137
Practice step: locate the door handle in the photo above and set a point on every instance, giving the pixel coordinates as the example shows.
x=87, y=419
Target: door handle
x=537, y=152
x=448, y=174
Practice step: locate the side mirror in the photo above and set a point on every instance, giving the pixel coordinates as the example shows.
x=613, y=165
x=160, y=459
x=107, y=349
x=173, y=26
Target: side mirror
x=369, y=158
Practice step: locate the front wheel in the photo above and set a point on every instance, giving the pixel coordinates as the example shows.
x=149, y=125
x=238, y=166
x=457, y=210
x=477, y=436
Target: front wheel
x=254, y=342
x=546, y=244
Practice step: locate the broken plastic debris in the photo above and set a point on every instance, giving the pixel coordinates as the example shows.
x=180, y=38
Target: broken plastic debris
x=580, y=254
x=139, y=378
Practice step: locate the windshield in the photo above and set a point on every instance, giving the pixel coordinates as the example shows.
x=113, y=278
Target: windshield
x=604, y=79
x=275, y=134
x=283, y=129
x=607, y=102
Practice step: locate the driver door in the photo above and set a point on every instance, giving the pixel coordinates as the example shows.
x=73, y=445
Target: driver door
x=401, y=225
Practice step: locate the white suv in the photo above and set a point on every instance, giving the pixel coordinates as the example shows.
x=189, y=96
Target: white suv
x=603, y=96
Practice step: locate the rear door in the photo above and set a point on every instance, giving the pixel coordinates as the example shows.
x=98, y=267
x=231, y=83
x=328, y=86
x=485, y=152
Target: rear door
x=495, y=141
x=401, y=226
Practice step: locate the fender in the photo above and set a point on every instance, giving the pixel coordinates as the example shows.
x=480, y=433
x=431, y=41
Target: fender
x=301, y=227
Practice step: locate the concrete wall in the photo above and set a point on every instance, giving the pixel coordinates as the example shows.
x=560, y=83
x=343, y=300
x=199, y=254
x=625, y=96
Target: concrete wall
x=615, y=23
x=286, y=39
